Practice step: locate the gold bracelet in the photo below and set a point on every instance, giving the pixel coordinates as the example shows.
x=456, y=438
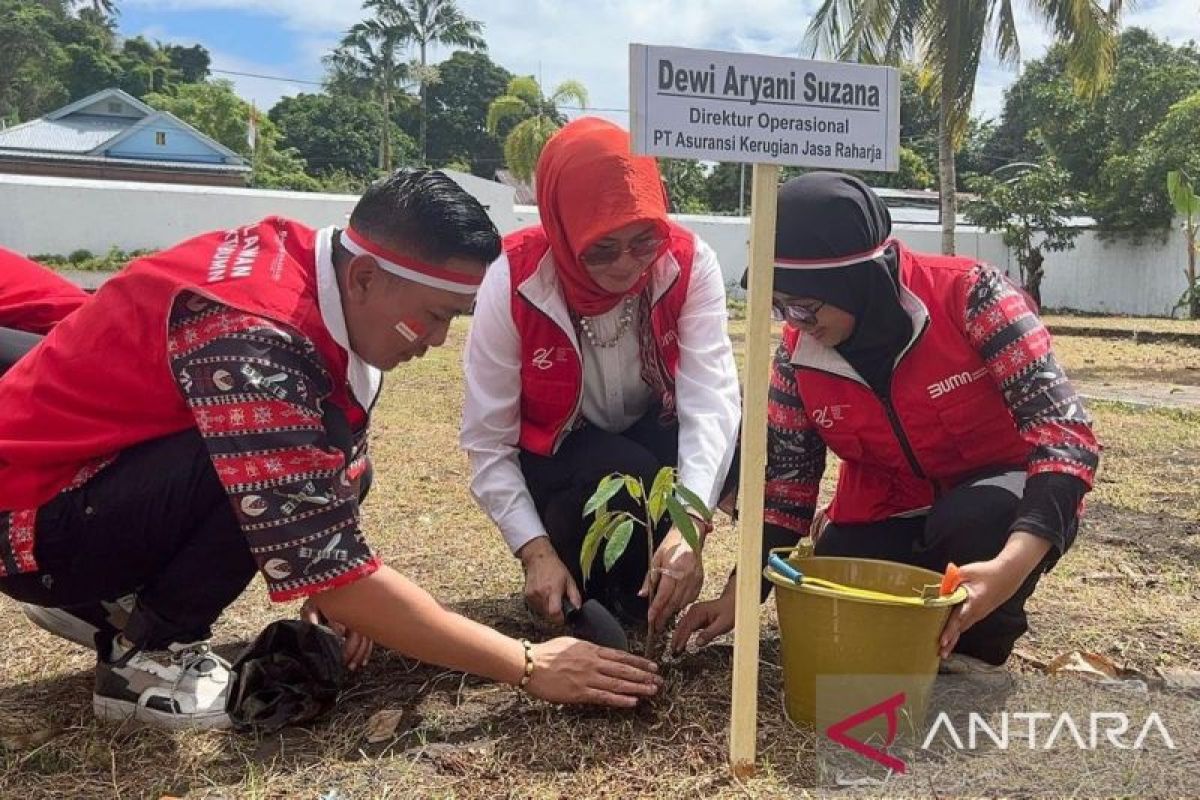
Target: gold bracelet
x=528, y=665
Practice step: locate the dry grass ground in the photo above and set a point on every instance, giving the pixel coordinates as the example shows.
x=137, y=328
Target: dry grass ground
x=1128, y=590
x=1153, y=325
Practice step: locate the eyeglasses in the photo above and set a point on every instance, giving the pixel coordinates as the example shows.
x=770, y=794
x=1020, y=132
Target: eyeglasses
x=797, y=314
x=604, y=254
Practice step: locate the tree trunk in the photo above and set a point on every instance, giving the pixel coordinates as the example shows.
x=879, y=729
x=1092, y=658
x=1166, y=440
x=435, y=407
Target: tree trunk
x=385, y=142
x=1034, y=275
x=424, y=109
x=947, y=179
x=1193, y=288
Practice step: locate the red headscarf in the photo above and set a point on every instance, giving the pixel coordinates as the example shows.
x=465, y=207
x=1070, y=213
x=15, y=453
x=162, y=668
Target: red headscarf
x=589, y=185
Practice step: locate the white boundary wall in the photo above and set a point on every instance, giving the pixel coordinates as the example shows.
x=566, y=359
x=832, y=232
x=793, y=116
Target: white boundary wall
x=1119, y=277
x=59, y=215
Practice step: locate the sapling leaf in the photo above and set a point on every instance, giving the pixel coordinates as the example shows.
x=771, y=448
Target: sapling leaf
x=591, y=543
x=657, y=502
x=608, y=487
x=617, y=543
x=634, y=487
x=694, y=502
x=685, y=524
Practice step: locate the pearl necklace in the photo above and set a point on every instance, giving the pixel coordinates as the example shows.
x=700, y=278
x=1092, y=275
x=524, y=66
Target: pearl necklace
x=623, y=324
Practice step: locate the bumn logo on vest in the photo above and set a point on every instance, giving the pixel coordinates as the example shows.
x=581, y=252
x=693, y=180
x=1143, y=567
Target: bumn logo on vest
x=948, y=385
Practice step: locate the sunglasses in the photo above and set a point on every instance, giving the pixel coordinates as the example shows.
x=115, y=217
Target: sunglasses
x=797, y=314
x=605, y=254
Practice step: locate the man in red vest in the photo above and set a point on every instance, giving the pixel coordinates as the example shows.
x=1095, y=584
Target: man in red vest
x=205, y=417
x=960, y=437
x=33, y=300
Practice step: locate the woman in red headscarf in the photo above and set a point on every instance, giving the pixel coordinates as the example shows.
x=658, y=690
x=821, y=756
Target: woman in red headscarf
x=598, y=345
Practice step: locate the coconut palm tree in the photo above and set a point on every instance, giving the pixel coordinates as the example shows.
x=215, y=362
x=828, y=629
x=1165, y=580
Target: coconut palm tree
x=369, y=62
x=428, y=22
x=948, y=37
x=540, y=119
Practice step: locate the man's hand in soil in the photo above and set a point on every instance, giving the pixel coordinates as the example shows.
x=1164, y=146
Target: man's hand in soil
x=547, y=580
x=356, y=648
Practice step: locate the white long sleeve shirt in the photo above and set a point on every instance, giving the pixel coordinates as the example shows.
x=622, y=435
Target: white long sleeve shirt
x=707, y=393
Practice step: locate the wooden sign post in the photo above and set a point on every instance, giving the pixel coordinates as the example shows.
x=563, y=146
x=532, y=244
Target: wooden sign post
x=768, y=111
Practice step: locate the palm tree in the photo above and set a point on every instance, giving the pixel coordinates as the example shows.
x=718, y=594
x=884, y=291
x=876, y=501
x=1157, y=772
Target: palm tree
x=368, y=62
x=947, y=37
x=429, y=22
x=541, y=119
x=100, y=8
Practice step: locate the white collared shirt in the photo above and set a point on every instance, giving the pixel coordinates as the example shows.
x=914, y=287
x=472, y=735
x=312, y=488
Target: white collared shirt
x=707, y=394
x=365, y=381
x=614, y=394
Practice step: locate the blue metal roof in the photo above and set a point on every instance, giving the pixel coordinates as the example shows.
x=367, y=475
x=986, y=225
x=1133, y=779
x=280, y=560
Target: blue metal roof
x=114, y=128
x=74, y=134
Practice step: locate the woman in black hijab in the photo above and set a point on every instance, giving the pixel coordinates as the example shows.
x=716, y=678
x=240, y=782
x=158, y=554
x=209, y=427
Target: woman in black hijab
x=960, y=438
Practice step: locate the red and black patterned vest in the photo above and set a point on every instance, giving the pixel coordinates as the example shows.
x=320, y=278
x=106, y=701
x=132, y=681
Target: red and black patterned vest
x=945, y=417
x=71, y=402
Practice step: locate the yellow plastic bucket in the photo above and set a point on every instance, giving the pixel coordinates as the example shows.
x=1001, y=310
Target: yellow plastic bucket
x=843, y=651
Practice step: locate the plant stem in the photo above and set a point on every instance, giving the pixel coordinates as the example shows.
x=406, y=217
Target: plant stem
x=651, y=638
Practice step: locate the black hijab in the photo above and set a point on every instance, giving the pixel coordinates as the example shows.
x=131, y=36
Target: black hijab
x=831, y=216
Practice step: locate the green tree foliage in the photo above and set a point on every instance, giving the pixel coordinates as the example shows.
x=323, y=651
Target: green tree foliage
x=539, y=119
x=190, y=63
x=723, y=188
x=949, y=40
x=1182, y=191
x=1129, y=191
x=1105, y=145
x=216, y=111
x=1032, y=210
x=31, y=61
x=55, y=52
x=336, y=133
x=687, y=185
x=458, y=108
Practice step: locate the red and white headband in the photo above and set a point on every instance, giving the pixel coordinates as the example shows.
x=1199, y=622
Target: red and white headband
x=831, y=263
x=410, y=268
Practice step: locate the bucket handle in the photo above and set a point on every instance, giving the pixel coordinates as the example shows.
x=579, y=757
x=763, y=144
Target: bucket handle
x=788, y=572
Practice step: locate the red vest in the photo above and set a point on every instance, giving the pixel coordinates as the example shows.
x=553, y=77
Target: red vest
x=552, y=366
x=33, y=298
x=101, y=381
x=946, y=418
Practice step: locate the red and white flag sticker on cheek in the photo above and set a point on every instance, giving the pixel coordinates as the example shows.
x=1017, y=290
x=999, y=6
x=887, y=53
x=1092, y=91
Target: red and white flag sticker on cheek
x=410, y=329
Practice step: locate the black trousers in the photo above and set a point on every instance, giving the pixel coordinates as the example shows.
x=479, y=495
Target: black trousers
x=562, y=483
x=969, y=523
x=156, y=523
x=13, y=345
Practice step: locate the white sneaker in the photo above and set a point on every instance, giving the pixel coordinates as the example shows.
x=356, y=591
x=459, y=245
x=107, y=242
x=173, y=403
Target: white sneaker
x=65, y=625
x=187, y=693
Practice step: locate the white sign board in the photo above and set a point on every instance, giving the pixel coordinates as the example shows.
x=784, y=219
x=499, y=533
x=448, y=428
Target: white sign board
x=716, y=106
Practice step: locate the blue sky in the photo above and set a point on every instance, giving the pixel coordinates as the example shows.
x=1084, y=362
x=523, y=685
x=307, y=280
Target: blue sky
x=554, y=39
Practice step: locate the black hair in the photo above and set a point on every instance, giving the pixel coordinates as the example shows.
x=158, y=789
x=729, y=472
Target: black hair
x=426, y=213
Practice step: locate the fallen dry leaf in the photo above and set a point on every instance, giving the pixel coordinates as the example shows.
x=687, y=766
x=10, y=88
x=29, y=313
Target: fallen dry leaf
x=1086, y=665
x=381, y=727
